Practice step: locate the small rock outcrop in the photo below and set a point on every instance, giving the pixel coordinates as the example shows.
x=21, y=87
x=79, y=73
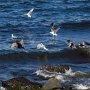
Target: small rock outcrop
x=21, y=83
x=58, y=68
x=52, y=84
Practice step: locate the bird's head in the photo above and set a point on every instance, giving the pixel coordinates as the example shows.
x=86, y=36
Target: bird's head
x=68, y=41
x=52, y=24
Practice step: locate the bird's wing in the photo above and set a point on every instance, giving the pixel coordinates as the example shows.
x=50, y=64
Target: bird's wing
x=52, y=29
x=87, y=43
x=31, y=11
x=22, y=42
x=56, y=29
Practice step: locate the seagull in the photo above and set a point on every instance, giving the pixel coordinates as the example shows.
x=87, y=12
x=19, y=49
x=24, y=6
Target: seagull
x=29, y=13
x=84, y=44
x=18, y=44
x=41, y=46
x=14, y=37
x=71, y=44
x=54, y=28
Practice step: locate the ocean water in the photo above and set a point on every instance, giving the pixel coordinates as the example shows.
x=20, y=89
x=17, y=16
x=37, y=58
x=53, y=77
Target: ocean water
x=73, y=16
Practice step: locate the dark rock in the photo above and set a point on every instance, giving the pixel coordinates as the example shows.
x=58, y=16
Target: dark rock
x=20, y=83
x=84, y=51
x=58, y=68
x=52, y=84
x=66, y=87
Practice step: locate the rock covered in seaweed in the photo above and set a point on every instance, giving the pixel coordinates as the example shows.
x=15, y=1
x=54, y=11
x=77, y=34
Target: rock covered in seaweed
x=58, y=68
x=21, y=83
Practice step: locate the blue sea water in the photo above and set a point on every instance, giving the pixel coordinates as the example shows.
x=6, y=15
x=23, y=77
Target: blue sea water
x=74, y=19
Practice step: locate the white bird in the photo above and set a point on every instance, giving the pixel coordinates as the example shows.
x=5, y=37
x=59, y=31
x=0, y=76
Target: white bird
x=29, y=13
x=71, y=44
x=41, y=46
x=54, y=29
x=84, y=44
x=14, y=37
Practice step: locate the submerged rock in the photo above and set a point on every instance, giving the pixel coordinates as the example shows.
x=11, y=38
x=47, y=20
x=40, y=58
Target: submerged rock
x=58, y=68
x=52, y=84
x=20, y=83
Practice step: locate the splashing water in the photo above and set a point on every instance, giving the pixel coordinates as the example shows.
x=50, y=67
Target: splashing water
x=81, y=86
x=69, y=72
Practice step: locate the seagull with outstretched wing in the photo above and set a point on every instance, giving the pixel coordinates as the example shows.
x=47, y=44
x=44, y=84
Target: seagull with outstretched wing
x=29, y=14
x=54, y=29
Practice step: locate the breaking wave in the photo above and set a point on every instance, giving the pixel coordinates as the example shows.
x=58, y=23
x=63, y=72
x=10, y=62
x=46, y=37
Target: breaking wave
x=70, y=77
x=66, y=53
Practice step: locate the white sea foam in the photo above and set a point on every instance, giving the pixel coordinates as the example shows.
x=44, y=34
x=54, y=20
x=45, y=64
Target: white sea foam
x=81, y=87
x=2, y=88
x=80, y=72
x=45, y=73
x=69, y=72
x=61, y=78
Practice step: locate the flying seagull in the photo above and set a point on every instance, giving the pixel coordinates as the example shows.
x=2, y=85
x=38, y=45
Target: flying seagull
x=41, y=46
x=54, y=29
x=29, y=13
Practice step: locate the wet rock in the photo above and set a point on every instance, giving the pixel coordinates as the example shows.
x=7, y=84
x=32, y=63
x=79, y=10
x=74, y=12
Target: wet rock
x=58, y=68
x=84, y=51
x=20, y=83
x=66, y=87
x=52, y=84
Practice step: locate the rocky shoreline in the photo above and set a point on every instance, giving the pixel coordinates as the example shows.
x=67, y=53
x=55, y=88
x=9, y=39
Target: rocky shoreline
x=51, y=83
x=22, y=83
